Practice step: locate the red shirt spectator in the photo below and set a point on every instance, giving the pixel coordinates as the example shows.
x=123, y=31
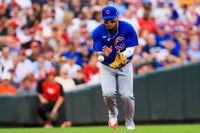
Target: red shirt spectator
x=51, y=91
x=147, y=23
x=51, y=97
x=90, y=69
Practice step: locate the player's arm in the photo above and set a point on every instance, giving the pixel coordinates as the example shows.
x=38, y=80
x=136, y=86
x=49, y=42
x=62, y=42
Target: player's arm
x=98, y=53
x=107, y=53
x=97, y=42
x=131, y=41
x=59, y=101
x=42, y=99
x=128, y=52
x=57, y=105
x=98, y=46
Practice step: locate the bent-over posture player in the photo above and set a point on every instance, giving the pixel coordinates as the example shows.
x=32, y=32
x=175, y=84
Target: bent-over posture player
x=114, y=43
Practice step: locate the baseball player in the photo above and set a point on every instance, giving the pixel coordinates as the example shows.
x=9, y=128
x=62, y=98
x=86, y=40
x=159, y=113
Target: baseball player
x=114, y=43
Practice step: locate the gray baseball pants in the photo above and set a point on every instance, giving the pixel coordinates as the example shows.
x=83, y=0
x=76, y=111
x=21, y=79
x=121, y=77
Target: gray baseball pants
x=121, y=79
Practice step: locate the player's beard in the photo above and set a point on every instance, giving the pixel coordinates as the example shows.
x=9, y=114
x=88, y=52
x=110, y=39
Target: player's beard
x=112, y=27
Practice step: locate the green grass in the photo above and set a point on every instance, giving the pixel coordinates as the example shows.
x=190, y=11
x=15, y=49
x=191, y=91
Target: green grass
x=192, y=128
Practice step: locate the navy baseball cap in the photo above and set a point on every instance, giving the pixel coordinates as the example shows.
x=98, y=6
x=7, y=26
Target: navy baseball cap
x=109, y=12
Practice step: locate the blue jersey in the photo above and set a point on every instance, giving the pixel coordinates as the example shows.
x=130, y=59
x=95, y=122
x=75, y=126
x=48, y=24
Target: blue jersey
x=125, y=38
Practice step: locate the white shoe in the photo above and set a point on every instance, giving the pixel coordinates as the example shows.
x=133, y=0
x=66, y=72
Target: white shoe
x=113, y=123
x=130, y=127
x=48, y=126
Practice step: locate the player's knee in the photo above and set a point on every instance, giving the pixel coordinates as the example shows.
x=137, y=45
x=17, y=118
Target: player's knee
x=108, y=94
x=128, y=99
x=127, y=96
x=40, y=110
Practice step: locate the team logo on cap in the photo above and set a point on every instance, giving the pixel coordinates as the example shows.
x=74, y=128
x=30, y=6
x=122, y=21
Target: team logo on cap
x=107, y=11
x=119, y=43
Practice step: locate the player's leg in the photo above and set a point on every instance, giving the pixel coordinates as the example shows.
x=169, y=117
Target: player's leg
x=108, y=84
x=62, y=117
x=125, y=84
x=43, y=109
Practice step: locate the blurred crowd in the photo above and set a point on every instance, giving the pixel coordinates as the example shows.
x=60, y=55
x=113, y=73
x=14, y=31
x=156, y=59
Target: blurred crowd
x=38, y=35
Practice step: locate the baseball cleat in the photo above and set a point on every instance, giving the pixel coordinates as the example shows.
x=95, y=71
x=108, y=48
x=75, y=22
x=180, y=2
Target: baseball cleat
x=66, y=124
x=48, y=126
x=130, y=127
x=113, y=123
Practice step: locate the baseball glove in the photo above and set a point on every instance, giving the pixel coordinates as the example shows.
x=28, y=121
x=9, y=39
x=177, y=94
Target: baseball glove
x=120, y=61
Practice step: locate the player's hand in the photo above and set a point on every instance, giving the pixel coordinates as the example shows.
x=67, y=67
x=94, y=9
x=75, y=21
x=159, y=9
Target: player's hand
x=43, y=100
x=53, y=114
x=120, y=61
x=107, y=50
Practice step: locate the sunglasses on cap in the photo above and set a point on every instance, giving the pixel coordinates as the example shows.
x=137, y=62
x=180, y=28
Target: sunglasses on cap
x=111, y=21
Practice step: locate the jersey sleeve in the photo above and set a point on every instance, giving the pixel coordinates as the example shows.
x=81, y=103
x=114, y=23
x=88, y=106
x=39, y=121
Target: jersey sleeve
x=97, y=43
x=131, y=38
x=39, y=86
x=61, y=90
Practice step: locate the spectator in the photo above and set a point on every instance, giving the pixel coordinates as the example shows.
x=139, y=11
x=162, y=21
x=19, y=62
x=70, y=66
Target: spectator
x=174, y=12
x=24, y=4
x=6, y=88
x=161, y=35
x=71, y=66
x=95, y=21
x=150, y=44
x=165, y=59
x=5, y=60
x=75, y=6
x=147, y=23
x=39, y=67
x=85, y=53
x=26, y=88
x=120, y=5
x=24, y=34
x=183, y=52
x=14, y=42
x=149, y=50
x=23, y=68
x=51, y=96
x=138, y=59
x=78, y=79
x=170, y=46
x=2, y=26
x=161, y=14
x=12, y=74
x=146, y=7
x=64, y=79
x=129, y=17
x=35, y=50
x=91, y=71
x=194, y=52
x=49, y=54
x=178, y=36
x=66, y=26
